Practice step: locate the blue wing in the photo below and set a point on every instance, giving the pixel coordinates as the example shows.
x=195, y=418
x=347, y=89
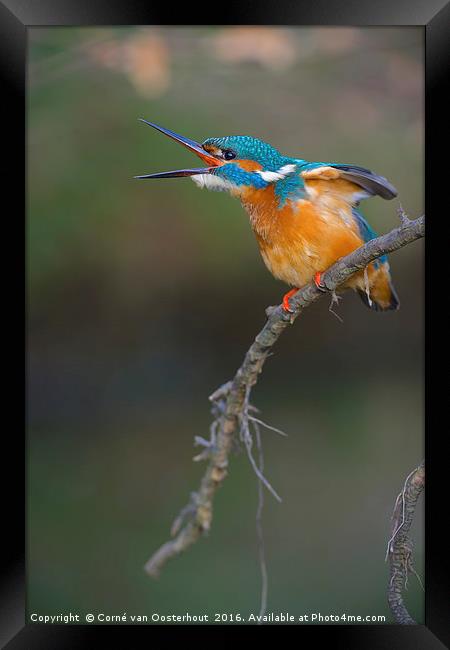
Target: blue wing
x=367, y=233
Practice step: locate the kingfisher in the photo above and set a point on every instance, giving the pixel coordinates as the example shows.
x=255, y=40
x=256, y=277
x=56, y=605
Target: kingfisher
x=304, y=214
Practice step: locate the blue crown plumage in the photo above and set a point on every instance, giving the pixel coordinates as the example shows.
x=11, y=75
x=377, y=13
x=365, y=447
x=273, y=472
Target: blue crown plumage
x=248, y=148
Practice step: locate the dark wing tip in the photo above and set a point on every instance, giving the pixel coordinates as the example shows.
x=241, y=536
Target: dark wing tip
x=372, y=183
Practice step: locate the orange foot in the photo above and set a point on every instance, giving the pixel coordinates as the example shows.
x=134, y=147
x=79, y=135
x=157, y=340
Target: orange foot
x=286, y=297
x=318, y=281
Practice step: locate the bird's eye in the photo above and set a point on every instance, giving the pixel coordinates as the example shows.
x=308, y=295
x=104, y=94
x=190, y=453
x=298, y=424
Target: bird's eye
x=229, y=155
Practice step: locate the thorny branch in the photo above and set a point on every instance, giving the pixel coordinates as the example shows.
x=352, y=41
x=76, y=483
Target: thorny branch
x=230, y=402
x=399, y=550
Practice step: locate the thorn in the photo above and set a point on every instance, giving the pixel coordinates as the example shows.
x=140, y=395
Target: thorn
x=404, y=220
x=267, y=426
x=222, y=391
x=201, y=442
x=335, y=300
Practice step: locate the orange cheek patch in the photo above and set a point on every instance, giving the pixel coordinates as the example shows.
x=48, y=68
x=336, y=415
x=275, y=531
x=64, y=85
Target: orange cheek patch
x=248, y=165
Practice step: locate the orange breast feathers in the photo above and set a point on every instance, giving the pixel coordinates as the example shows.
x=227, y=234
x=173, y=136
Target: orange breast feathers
x=309, y=234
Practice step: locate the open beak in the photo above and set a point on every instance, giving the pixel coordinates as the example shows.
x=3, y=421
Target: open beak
x=208, y=159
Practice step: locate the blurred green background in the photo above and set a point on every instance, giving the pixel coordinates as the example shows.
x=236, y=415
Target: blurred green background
x=144, y=296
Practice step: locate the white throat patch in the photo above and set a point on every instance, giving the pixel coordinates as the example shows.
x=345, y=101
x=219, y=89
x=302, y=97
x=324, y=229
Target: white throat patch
x=271, y=177
x=213, y=182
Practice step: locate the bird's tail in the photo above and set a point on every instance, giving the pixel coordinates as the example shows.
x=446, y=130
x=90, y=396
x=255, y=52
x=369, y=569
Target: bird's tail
x=382, y=295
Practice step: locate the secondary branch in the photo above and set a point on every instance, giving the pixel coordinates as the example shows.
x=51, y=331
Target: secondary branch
x=399, y=549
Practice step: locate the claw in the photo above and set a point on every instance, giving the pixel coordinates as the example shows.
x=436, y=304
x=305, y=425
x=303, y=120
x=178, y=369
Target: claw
x=318, y=281
x=286, y=305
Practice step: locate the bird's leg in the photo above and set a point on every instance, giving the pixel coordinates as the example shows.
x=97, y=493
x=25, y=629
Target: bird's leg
x=286, y=297
x=318, y=281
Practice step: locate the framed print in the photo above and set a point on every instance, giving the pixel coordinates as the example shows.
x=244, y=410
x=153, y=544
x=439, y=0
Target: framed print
x=270, y=327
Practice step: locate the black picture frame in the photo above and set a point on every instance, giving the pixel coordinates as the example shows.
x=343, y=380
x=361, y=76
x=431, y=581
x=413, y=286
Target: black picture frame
x=19, y=15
